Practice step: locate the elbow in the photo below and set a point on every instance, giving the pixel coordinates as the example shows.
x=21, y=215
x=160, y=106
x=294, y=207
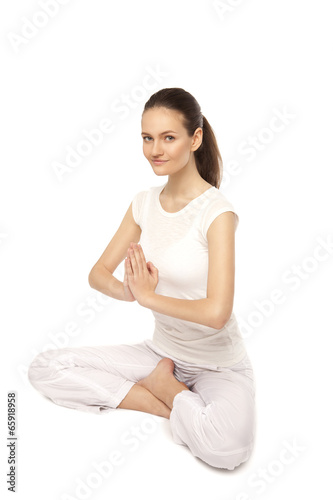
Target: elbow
x=91, y=278
x=218, y=323
x=219, y=319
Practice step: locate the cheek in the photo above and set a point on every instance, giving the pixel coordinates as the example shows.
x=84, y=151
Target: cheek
x=145, y=150
x=179, y=152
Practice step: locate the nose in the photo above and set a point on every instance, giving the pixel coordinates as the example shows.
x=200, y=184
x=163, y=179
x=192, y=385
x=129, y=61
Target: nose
x=156, y=149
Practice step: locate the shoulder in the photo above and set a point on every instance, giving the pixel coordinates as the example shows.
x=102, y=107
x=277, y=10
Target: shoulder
x=140, y=199
x=217, y=205
x=222, y=229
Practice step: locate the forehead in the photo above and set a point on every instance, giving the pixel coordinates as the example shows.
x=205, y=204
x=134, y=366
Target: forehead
x=156, y=120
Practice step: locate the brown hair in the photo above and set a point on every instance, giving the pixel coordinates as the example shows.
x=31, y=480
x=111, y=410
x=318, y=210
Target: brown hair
x=207, y=157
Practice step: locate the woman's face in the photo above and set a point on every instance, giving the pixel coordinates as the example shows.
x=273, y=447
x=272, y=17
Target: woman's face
x=166, y=144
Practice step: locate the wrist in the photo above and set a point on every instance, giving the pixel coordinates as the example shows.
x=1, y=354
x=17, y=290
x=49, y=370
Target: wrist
x=127, y=295
x=147, y=300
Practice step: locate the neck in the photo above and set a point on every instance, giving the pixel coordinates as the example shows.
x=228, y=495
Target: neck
x=185, y=182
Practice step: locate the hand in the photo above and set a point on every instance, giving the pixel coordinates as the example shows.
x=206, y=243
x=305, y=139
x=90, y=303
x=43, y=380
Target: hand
x=142, y=276
x=129, y=297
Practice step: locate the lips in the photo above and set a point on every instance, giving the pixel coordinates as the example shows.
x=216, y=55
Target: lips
x=159, y=162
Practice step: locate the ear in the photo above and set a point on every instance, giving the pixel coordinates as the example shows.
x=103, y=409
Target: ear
x=197, y=139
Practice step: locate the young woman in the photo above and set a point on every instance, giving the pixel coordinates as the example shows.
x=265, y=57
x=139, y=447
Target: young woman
x=195, y=370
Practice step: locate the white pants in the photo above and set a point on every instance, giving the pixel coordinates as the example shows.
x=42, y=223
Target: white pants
x=215, y=419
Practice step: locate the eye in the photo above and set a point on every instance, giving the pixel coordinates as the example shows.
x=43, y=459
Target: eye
x=169, y=136
x=146, y=137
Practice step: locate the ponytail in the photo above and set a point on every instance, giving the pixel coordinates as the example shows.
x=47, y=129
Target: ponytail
x=208, y=157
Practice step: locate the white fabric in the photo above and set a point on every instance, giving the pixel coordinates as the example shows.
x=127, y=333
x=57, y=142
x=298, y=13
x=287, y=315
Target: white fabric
x=215, y=419
x=176, y=243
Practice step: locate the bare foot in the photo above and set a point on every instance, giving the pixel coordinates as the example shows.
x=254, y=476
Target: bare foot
x=161, y=373
x=162, y=383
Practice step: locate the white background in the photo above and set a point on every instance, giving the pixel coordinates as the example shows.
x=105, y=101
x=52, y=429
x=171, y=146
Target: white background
x=244, y=61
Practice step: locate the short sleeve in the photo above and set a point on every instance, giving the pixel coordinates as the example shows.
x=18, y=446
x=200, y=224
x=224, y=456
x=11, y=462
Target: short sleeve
x=213, y=210
x=137, y=206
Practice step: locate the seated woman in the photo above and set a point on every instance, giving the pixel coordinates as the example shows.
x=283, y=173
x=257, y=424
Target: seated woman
x=194, y=370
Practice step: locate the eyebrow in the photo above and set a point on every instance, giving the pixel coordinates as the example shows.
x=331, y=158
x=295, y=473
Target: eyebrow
x=165, y=132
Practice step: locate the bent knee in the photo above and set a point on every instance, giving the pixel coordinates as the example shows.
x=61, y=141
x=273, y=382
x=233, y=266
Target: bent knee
x=225, y=460
x=41, y=365
x=227, y=452
x=226, y=441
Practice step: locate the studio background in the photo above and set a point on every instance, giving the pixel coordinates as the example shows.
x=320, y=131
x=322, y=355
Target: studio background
x=260, y=71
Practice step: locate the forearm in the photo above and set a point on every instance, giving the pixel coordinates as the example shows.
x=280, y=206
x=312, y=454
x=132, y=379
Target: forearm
x=202, y=311
x=102, y=280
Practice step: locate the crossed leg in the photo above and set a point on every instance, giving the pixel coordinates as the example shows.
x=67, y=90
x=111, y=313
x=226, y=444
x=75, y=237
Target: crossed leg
x=215, y=419
x=155, y=393
x=99, y=378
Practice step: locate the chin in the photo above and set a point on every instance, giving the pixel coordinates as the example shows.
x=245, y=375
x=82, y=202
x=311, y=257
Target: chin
x=160, y=174
x=160, y=170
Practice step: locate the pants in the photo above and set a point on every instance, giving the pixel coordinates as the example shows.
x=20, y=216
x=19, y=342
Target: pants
x=215, y=419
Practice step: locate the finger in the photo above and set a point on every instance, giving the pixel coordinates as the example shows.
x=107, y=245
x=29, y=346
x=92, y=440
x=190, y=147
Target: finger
x=152, y=269
x=125, y=273
x=139, y=259
x=129, y=269
x=143, y=258
x=133, y=261
x=141, y=252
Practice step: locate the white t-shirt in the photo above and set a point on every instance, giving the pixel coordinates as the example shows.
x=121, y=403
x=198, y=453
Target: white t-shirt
x=176, y=243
